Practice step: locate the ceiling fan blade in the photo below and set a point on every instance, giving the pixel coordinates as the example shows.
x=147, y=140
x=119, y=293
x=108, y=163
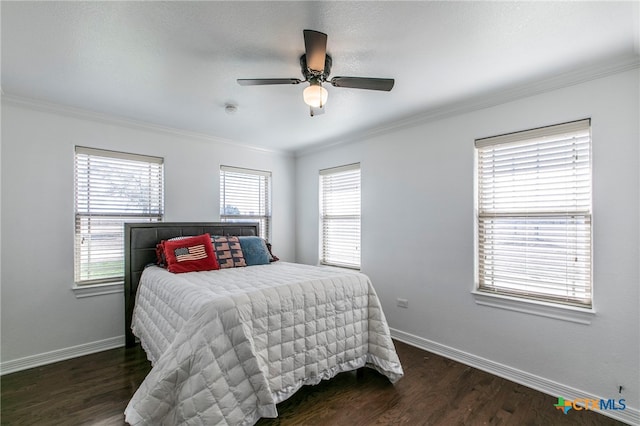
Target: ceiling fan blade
x=315, y=46
x=385, y=84
x=265, y=81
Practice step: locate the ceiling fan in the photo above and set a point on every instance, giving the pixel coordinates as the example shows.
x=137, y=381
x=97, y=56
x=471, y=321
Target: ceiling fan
x=316, y=67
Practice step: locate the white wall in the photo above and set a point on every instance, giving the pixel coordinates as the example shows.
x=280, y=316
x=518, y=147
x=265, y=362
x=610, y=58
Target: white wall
x=418, y=178
x=418, y=238
x=40, y=313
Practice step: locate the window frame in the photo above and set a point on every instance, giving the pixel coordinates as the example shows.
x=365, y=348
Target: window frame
x=551, y=306
x=84, y=213
x=264, y=201
x=325, y=256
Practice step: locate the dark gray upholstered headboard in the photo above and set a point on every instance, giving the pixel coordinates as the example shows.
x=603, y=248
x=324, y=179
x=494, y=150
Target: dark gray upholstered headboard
x=140, y=241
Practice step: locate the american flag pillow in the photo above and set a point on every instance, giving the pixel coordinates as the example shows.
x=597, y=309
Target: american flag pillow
x=228, y=252
x=190, y=254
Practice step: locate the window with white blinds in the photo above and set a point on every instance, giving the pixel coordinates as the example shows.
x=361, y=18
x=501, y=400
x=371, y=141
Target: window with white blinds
x=245, y=196
x=111, y=188
x=340, y=216
x=533, y=201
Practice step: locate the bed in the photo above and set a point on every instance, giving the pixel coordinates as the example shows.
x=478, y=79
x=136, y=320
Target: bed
x=227, y=345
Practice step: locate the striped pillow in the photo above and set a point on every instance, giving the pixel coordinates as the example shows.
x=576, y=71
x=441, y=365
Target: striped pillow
x=228, y=252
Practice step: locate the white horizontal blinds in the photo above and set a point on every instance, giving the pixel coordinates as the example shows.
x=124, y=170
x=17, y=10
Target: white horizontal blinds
x=534, y=214
x=340, y=216
x=245, y=195
x=111, y=188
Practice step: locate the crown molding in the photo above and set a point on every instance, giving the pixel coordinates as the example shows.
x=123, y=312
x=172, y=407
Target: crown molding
x=458, y=107
x=99, y=117
x=487, y=100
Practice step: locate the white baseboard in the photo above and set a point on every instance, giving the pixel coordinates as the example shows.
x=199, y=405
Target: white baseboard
x=629, y=415
x=32, y=361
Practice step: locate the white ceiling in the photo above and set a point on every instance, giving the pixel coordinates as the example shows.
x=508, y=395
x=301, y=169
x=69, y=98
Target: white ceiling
x=175, y=64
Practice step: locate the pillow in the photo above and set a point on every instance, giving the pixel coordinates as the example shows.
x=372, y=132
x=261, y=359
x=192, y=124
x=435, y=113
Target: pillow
x=160, y=258
x=228, y=251
x=190, y=254
x=255, y=251
x=273, y=257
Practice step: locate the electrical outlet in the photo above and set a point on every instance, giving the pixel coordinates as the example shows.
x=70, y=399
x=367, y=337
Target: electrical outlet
x=403, y=303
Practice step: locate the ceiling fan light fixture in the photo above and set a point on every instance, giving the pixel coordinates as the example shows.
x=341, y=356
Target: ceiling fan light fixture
x=315, y=65
x=315, y=95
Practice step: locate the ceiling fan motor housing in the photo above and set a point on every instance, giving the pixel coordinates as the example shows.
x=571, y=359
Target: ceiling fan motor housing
x=320, y=75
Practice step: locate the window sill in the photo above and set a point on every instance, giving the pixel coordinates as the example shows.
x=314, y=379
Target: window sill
x=91, y=290
x=339, y=268
x=331, y=265
x=534, y=307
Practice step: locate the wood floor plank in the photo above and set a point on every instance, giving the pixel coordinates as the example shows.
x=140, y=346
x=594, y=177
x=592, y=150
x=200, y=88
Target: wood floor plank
x=95, y=389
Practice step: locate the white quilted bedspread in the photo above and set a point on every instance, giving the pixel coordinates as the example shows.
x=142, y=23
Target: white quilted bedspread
x=228, y=345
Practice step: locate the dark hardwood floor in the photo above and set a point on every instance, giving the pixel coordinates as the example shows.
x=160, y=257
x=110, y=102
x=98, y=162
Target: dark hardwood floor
x=94, y=390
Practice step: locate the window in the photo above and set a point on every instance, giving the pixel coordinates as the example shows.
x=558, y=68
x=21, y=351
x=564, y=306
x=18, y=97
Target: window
x=111, y=188
x=533, y=204
x=340, y=216
x=245, y=195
